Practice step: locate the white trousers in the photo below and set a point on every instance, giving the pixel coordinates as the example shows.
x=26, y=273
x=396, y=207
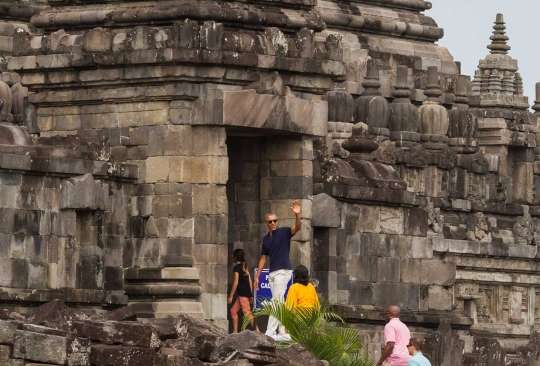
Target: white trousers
x=278, y=285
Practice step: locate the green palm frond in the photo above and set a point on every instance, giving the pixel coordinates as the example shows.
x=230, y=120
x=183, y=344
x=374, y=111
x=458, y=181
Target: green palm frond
x=320, y=330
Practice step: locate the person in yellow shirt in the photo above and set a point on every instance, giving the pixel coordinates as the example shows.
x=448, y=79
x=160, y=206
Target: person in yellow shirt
x=302, y=293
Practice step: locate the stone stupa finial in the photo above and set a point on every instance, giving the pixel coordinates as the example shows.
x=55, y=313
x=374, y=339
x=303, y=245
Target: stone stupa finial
x=498, y=39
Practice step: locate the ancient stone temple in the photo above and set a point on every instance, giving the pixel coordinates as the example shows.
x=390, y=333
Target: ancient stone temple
x=141, y=142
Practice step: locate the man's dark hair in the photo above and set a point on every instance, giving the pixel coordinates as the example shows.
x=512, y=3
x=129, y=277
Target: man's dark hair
x=418, y=343
x=301, y=275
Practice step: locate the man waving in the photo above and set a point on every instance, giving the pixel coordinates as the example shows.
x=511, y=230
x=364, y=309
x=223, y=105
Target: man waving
x=277, y=245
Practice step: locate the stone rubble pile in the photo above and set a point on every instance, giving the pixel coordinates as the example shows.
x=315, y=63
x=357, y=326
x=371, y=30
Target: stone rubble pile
x=59, y=335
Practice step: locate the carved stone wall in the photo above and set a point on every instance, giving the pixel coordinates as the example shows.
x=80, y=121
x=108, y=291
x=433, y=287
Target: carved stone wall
x=164, y=131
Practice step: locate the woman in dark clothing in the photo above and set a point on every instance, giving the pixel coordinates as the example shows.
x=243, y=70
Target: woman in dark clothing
x=241, y=284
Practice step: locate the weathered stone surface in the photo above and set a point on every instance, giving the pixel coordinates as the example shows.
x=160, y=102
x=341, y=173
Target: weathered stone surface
x=84, y=193
x=121, y=355
x=297, y=354
x=253, y=346
x=326, y=211
x=51, y=348
x=197, y=337
x=111, y=332
x=55, y=314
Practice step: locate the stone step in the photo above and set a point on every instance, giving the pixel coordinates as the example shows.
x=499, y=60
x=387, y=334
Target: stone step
x=167, y=273
x=162, y=309
x=166, y=289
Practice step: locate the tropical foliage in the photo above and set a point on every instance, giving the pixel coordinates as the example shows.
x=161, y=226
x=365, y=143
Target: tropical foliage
x=321, y=331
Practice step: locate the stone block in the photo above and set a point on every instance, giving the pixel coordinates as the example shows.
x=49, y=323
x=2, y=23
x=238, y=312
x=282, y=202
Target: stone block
x=523, y=183
x=212, y=278
x=421, y=248
x=278, y=148
x=178, y=247
x=17, y=162
x=328, y=285
x=406, y=296
x=247, y=191
x=400, y=245
x=378, y=245
x=5, y=272
x=368, y=219
x=8, y=196
x=389, y=269
x=180, y=169
x=177, y=140
x=291, y=168
x=246, y=212
x=416, y=221
x=300, y=253
x=7, y=222
x=392, y=220
x=180, y=112
x=19, y=270
x=141, y=206
x=291, y=188
x=53, y=349
x=362, y=268
x=113, y=332
x=211, y=254
x=211, y=229
x=361, y=293
x=121, y=355
x=326, y=211
x=411, y=270
x=180, y=228
x=437, y=272
x=5, y=355
x=84, y=192
x=209, y=169
x=440, y=298
x=10, y=179
x=214, y=305
x=157, y=169
x=7, y=332
x=209, y=141
x=64, y=223
x=37, y=275
x=25, y=222
x=209, y=199
x=97, y=40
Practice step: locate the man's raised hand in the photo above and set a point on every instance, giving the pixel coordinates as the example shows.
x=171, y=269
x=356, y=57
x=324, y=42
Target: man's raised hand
x=296, y=207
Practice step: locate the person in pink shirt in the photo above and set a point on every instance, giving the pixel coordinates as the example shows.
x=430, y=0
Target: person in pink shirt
x=396, y=338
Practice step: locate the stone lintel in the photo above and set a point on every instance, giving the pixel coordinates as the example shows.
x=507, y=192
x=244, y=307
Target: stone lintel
x=368, y=313
x=358, y=194
x=67, y=295
x=478, y=248
x=176, y=273
x=519, y=279
x=273, y=112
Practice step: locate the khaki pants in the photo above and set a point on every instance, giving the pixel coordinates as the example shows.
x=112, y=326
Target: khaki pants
x=278, y=281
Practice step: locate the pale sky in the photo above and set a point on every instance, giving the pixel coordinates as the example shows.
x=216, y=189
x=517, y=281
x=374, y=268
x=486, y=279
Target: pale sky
x=468, y=24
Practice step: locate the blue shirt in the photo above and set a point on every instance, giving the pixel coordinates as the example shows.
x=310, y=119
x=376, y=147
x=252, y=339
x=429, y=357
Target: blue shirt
x=278, y=247
x=419, y=360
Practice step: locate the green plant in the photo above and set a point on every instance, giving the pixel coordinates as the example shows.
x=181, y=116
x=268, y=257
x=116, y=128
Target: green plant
x=321, y=331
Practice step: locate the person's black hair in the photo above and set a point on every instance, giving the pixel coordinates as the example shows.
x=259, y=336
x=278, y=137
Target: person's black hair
x=301, y=275
x=240, y=256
